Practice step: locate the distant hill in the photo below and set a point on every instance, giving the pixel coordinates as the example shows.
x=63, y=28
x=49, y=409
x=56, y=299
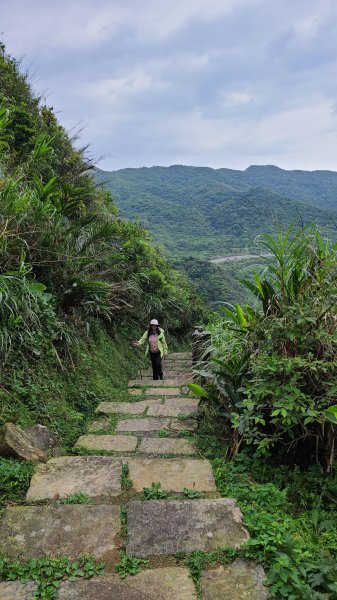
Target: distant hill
x=203, y=212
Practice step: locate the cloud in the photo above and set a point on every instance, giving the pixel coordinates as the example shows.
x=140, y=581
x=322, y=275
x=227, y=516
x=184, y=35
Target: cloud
x=222, y=83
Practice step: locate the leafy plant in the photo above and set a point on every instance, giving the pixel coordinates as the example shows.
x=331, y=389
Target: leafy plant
x=126, y=481
x=79, y=498
x=154, y=492
x=191, y=493
x=163, y=433
x=15, y=476
x=49, y=572
x=129, y=565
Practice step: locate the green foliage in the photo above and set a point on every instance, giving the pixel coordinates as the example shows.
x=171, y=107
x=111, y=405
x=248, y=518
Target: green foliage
x=273, y=369
x=15, y=476
x=191, y=494
x=49, y=572
x=126, y=481
x=79, y=498
x=129, y=565
x=163, y=433
x=154, y=492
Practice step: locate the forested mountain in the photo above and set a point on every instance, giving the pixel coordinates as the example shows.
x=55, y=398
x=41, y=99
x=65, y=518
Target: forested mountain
x=204, y=212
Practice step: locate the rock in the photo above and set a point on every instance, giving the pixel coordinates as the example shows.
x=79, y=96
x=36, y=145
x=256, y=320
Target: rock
x=174, y=474
x=157, y=527
x=173, y=407
x=179, y=356
x=45, y=439
x=238, y=581
x=171, y=583
x=153, y=445
x=16, y=443
x=147, y=425
x=14, y=590
x=132, y=408
x=108, y=443
x=72, y=530
x=102, y=424
x=97, y=476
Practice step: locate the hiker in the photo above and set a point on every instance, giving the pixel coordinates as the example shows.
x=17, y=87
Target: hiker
x=155, y=346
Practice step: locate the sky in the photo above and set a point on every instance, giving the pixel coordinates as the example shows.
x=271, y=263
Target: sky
x=218, y=83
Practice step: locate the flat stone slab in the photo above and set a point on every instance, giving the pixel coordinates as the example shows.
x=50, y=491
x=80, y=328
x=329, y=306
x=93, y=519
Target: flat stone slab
x=171, y=583
x=162, y=391
x=97, y=476
x=72, y=530
x=179, y=355
x=178, y=425
x=135, y=425
x=126, y=408
x=167, y=373
x=174, y=407
x=174, y=474
x=155, y=445
x=108, y=443
x=169, y=382
x=14, y=590
x=102, y=424
x=238, y=581
x=157, y=527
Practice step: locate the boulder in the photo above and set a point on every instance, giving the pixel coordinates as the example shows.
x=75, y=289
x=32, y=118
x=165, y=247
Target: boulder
x=16, y=443
x=45, y=439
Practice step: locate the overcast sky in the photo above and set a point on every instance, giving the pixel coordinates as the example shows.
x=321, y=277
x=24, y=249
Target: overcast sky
x=219, y=83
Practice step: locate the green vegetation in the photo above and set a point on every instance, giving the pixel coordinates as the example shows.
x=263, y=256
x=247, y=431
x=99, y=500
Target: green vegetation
x=77, y=282
x=129, y=565
x=14, y=480
x=79, y=498
x=269, y=403
x=191, y=494
x=154, y=492
x=126, y=481
x=205, y=213
x=49, y=572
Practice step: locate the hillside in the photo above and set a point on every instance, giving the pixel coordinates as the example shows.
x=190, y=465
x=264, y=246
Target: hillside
x=204, y=212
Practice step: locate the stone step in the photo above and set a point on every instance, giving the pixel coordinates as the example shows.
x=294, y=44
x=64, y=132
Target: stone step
x=161, y=391
x=153, y=445
x=170, y=583
x=180, y=355
x=142, y=425
x=127, y=408
x=14, y=590
x=102, y=424
x=73, y=530
x=174, y=474
x=108, y=443
x=235, y=581
x=97, y=476
x=158, y=527
x=169, y=382
x=147, y=373
x=173, y=407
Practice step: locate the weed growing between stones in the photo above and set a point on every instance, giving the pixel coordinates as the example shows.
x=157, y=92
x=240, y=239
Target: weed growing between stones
x=79, y=498
x=113, y=422
x=154, y=492
x=191, y=494
x=198, y=560
x=124, y=522
x=163, y=433
x=129, y=565
x=49, y=572
x=126, y=481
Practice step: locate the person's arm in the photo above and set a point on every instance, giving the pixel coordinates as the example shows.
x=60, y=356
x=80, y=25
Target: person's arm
x=163, y=341
x=142, y=340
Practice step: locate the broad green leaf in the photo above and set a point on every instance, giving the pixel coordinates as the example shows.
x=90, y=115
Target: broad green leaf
x=197, y=390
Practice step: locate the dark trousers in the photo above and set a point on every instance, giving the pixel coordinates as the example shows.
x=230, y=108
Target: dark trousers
x=156, y=365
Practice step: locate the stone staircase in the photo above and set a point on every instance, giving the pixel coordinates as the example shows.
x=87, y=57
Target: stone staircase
x=145, y=441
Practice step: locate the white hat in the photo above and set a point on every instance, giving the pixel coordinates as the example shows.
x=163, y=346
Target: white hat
x=154, y=322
